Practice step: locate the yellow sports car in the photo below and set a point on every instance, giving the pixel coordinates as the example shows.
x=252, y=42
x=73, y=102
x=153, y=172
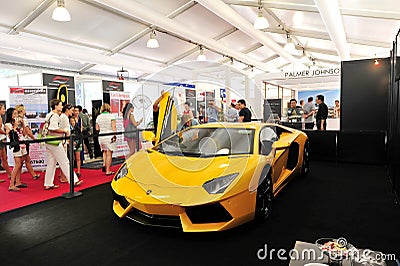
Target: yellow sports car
x=209, y=177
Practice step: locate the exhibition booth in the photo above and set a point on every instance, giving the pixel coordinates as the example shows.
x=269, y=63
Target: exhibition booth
x=358, y=136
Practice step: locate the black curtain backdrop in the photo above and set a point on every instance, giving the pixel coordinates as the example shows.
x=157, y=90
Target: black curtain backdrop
x=364, y=95
x=364, y=104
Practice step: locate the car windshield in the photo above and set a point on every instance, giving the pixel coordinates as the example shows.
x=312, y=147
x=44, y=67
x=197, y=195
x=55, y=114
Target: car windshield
x=206, y=142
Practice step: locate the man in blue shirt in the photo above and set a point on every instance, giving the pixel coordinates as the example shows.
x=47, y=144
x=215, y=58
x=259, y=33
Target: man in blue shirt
x=212, y=112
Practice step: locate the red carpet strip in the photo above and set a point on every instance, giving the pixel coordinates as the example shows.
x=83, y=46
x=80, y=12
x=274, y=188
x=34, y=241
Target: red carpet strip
x=35, y=192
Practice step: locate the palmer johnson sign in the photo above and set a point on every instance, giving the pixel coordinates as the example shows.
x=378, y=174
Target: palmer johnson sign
x=313, y=73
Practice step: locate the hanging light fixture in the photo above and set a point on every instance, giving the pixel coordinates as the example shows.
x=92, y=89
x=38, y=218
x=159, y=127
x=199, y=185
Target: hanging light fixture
x=304, y=58
x=122, y=74
x=60, y=13
x=152, y=42
x=232, y=63
x=201, y=56
x=261, y=22
x=289, y=46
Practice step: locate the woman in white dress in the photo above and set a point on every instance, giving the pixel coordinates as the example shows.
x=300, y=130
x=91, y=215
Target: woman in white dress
x=106, y=123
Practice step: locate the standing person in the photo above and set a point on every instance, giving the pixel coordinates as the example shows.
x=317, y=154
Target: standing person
x=232, y=114
x=12, y=118
x=188, y=121
x=187, y=110
x=66, y=112
x=79, y=123
x=201, y=113
x=295, y=112
x=77, y=144
x=302, y=103
x=86, y=128
x=129, y=119
x=244, y=113
x=19, y=152
x=56, y=153
x=322, y=113
x=309, y=110
x=3, y=150
x=27, y=136
x=212, y=112
x=336, y=109
x=106, y=123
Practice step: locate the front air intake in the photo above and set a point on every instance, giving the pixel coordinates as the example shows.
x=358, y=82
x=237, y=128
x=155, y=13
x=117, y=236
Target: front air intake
x=210, y=213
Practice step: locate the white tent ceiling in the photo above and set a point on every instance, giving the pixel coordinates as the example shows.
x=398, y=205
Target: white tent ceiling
x=105, y=35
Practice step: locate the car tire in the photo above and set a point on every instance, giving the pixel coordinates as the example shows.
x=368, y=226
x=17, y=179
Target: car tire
x=305, y=166
x=264, y=199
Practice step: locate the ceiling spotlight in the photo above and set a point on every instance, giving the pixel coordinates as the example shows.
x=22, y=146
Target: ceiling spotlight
x=313, y=64
x=261, y=22
x=201, y=56
x=251, y=72
x=376, y=62
x=152, y=42
x=60, y=13
x=289, y=46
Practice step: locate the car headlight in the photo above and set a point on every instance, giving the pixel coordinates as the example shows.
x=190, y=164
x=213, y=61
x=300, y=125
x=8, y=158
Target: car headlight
x=123, y=171
x=219, y=184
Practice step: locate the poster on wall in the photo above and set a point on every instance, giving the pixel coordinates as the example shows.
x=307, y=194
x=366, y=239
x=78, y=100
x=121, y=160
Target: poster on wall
x=118, y=100
x=191, y=99
x=272, y=110
x=36, y=104
x=110, y=86
x=60, y=87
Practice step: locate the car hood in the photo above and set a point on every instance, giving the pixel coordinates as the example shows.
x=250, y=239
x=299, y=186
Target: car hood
x=179, y=180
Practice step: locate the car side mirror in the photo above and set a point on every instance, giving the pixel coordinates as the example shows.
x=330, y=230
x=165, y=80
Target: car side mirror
x=148, y=135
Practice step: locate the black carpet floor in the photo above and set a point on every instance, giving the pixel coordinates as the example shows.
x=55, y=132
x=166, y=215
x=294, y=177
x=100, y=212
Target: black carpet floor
x=99, y=163
x=335, y=200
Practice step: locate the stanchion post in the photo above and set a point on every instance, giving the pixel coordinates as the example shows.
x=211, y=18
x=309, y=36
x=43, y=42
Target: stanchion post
x=137, y=140
x=71, y=194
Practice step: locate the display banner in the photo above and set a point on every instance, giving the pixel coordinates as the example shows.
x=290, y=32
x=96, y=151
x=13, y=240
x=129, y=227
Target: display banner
x=58, y=80
x=109, y=86
x=272, y=110
x=118, y=100
x=36, y=104
x=60, y=87
x=112, y=86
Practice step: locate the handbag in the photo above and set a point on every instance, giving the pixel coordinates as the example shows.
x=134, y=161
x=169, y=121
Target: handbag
x=44, y=130
x=130, y=131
